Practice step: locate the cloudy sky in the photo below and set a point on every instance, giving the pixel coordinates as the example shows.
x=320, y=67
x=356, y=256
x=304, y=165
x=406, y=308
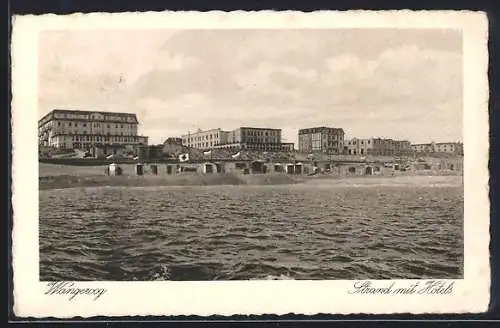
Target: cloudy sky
x=383, y=83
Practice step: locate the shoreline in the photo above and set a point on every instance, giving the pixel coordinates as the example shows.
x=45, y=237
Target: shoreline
x=231, y=179
x=63, y=176
x=73, y=181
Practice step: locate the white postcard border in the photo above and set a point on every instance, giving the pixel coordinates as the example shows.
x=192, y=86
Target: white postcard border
x=246, y=297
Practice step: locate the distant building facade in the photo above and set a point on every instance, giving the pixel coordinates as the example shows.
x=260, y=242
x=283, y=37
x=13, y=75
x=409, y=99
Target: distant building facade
x=357, y=146
x=288, y=146
x=88, y=130
x=377, y=147
x=440, y=147
x=250, y=138
x=172, y=146
x=321, y=139
x=205, y=139
x=402, y=147
x=173, y=141
x=257, y=139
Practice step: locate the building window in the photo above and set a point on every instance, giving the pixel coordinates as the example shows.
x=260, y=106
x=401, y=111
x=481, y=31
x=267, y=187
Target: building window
x=84, y=125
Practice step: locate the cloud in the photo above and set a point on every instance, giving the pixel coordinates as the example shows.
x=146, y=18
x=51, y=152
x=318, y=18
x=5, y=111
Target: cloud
x=429, y=74
x=370, y=82
x=273, y=79
x=349, y=65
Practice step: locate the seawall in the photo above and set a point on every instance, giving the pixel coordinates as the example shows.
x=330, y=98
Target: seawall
x=72, y=181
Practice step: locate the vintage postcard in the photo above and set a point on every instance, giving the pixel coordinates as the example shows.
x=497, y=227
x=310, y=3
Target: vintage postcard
x=250, y=163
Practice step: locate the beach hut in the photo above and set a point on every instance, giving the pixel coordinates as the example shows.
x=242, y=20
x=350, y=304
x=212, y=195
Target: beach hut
x=114, y=169
x=368, y=170
x=352, y=170
x=208, y=168
x=298, y=168
x=220, y=167
x=139, y=169
x=235, y=166
x=154, y=169
x=258, y=166
x=278, y=167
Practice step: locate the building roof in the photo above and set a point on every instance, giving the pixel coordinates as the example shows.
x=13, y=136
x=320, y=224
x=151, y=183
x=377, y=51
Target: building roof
x=203, y=131
x=73, y=111
x=173, y=141
x=437, y=143
x=320, y=128
x=257, y=128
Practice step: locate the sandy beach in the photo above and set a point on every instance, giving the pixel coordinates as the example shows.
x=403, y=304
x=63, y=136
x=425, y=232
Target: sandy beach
x=53, y=176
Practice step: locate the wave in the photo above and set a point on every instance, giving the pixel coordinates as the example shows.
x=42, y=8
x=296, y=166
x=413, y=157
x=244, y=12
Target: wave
x=266, y=232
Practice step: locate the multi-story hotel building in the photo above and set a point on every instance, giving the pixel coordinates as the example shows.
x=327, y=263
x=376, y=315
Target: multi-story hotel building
x=377, y=147
x=439, y=147
x=402, y=147
x=87, y=130
x=205, y=139
x=258, y=139
x=321, y=139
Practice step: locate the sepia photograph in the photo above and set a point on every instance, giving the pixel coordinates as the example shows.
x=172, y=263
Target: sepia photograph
x=251, y=154
x=262, y=154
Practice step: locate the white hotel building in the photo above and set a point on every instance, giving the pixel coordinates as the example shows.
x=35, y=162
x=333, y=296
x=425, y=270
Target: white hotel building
x=88, y=130
x=249, y=138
